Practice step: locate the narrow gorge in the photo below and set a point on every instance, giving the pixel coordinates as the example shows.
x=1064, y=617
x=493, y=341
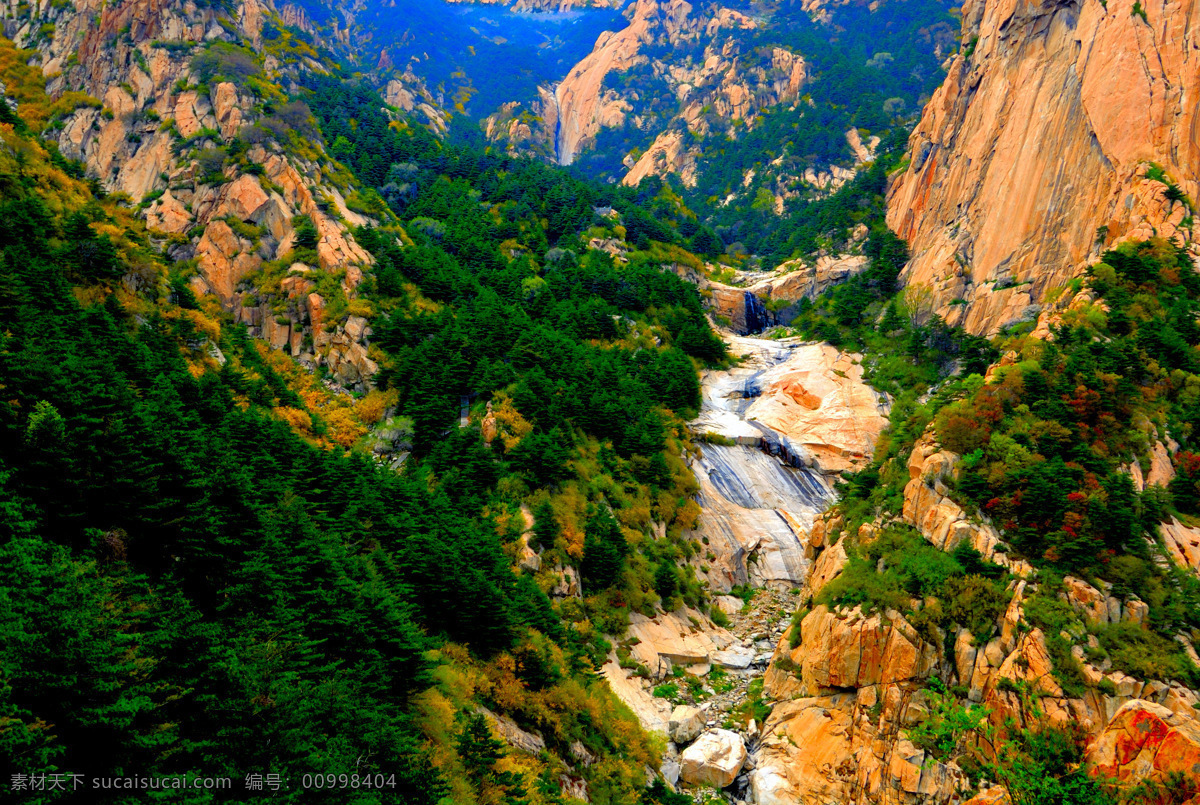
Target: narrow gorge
x=542, y=402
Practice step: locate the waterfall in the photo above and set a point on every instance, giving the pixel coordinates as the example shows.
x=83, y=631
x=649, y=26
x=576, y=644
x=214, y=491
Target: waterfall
x=559, y=156
x=759, y=495
x=757, y=317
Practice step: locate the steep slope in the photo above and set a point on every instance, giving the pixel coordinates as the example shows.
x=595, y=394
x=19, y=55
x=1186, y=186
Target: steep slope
x=1061, y=128
x=223, y=566
x=184, y=110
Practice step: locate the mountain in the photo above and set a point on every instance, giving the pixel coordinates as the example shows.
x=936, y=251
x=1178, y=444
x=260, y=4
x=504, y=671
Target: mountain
x=752, y=112
x=549, y=403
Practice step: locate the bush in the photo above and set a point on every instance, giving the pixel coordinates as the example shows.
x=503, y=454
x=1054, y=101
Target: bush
x=976, y=603
x=225, y=62
x=1145, y=654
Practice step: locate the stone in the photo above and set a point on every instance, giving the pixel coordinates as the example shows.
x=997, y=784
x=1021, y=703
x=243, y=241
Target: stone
x=670, y=639
x=168, y=214
x=995, y=795
x=828, y=565
x=1135, y=612
x=356, y=327
x=1086, y=600
x=813, y=753
x=738, y=658
x=729, y=604
x=667, y=154
x=527, y=742
x=226, y=108
x=928, y=507
x=714, y=759
x=686, y=724
x=240, y=198
x=848, y=650
x=1182, y=543
x=1146, y=742
x=224, y=260
x=671, y=770
x=759, y=506
x=770, y=786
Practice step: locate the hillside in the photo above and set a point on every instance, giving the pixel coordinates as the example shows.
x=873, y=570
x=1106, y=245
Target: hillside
x=211, y=563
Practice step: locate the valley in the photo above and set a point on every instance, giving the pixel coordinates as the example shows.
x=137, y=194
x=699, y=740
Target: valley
x=651, y=403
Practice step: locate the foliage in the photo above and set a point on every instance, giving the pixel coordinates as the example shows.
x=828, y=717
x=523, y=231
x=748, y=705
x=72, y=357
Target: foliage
x=1035, y=766
x=198, y=575
x=898, y=566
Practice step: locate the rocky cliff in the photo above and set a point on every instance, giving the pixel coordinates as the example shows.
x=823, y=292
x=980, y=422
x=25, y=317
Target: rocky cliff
x=180, y=108
x=1061, y=128
x=707, y=72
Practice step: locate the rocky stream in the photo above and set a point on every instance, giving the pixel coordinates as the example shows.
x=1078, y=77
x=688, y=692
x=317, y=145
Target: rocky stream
x=776, y=431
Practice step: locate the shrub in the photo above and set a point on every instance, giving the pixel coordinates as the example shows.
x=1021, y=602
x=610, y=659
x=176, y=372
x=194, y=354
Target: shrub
x=974, y=602
x=1145, y=654
x=668, y=691
x=225, y=62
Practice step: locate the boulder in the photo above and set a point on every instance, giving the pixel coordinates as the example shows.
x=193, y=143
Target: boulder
x=714, y=759
x=737, y=658
x=671, y=639
x=1086, y=600
x=686, y=724
x=1146, y=742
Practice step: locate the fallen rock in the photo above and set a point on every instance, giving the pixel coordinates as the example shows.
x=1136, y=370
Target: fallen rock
x=686, y=724
x=737, y=658
x=714, y=759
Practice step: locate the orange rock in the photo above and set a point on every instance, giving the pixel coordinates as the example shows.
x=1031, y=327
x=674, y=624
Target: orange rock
x=240, y=198
x=224, y=260
x=1146, y=741
x=226, y=108
x=1054, y=113
x=1182, y=543
x=168, y=214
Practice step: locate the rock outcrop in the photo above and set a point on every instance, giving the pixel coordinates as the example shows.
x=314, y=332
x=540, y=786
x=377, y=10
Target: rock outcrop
x=1033, y=154
x=929, y=507
x=581, y=105
x=793, y=414
x=843, y=693
x=667, y=154
x=162, y=136
x=1182, y=543
x=840, y=650
x=713, y=81
x=1147, y=742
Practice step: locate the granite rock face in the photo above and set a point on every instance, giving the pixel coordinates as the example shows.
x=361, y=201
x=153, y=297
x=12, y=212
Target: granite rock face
x=1146, y=741
x=1032, y=155
x=795, y=415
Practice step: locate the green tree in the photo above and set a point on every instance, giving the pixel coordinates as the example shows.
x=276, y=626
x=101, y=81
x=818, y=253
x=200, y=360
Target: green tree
x=604, y=550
